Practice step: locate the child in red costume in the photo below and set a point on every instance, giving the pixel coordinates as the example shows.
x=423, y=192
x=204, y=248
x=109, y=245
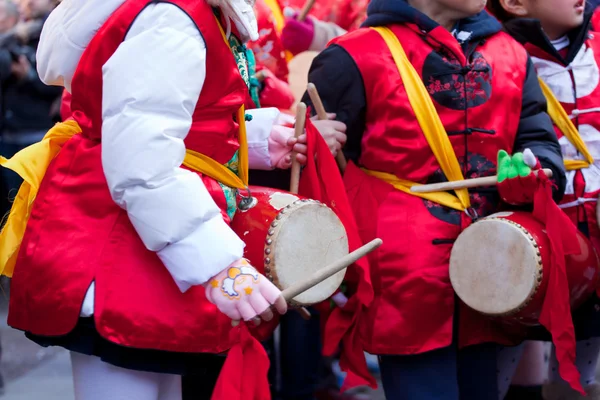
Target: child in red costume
x=485, y=90
x=271, y=76
x=118, y=243
x=565, y=48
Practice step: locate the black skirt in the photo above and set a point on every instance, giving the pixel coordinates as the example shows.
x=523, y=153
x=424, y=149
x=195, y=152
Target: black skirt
x=85, y=339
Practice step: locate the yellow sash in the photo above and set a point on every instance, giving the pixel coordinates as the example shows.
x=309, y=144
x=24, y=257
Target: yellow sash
x=279, y=20
x=566, y=126
x=432, y=127
x=32, y=162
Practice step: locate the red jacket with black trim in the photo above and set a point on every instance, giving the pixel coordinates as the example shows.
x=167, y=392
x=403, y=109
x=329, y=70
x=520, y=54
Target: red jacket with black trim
x=485, y=90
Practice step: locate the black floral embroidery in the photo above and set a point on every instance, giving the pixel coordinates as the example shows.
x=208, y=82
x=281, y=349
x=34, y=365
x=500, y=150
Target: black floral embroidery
x=455, y=86
x=484, y=201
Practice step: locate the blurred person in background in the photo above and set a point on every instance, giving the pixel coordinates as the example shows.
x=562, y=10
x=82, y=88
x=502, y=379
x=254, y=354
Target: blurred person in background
x=326, y=21
x=9, y=16
x=27, y=103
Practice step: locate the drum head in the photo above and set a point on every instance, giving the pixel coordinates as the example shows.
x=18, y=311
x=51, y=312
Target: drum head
x=494, y=267
x=308, y=237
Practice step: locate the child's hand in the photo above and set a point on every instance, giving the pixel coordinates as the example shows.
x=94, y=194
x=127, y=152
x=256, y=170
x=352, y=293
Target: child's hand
x=282, y=142
x=334, y=132
x=516, y=178
x=297, y=36
x=241, y=293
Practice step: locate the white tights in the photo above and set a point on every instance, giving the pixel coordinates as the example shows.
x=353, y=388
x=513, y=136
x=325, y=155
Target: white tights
x=586, y=362
x=507, y=362
x=97, y=380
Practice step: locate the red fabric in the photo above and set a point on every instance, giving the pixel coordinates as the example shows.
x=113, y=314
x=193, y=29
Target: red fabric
x=556, y=310
x=596, y=20
x=322, y=181
x=413, y=262
x=65, y=106
x=275, y=92
x=244, y=374
x=77, y=234
x=268, y=49
x=519, y=190
x=347, y=14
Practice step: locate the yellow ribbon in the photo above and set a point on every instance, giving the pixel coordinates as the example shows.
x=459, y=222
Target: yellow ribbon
x=32, y=162
x=566, y=126
x=432, y=127
x=279, y=21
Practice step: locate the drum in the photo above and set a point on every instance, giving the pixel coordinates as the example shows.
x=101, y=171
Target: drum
x=289, y=237
x=299, y=67
x=499, y=267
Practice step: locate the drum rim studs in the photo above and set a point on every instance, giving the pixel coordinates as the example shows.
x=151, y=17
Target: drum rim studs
x=270, y=262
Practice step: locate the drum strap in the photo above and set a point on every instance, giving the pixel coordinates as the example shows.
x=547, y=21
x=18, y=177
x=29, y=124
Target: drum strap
x=32, y=162
x=563, y=122
x=432, y=127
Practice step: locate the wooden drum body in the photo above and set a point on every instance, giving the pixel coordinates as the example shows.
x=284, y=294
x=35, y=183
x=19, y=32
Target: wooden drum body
x=499, y=266
x=289, y=238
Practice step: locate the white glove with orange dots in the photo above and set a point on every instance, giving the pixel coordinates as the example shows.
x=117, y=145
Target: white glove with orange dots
x=241, y=293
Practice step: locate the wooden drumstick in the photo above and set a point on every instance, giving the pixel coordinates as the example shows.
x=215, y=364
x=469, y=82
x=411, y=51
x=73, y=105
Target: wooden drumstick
x=304, y=313
x=465, y=184
x=330, y=270
x=295, y=178
x=322, y=115
x=300, y=121
x=306, y=9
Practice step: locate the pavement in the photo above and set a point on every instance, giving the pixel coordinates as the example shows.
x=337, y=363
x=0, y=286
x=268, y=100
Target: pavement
x=32, y=372
x=50, y=380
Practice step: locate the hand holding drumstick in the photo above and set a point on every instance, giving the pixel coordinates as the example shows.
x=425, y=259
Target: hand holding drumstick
x=520, y=171
x=334, y=133
x=291, y=292
x=335, y=140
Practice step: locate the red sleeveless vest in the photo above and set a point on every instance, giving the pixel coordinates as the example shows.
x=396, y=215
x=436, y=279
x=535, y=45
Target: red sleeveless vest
x=77, y=234
x=479, y=103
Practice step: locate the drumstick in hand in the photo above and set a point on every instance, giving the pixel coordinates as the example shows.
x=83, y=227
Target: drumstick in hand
x=465, y=184
x=295, y=179
x=330, y=270
x=322, y=115
x=306, y=9
x=300, y=122
x=327, y=272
